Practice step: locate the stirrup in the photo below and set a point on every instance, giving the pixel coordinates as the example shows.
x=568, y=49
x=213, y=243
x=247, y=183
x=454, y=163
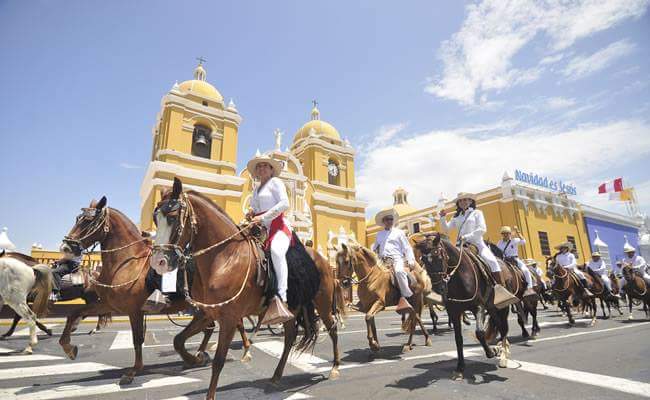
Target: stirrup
x=277, y=313
x=156, y=302
x=434, y=298
x=502, y=297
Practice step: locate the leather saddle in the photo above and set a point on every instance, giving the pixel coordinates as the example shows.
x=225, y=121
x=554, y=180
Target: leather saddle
x=387, y=263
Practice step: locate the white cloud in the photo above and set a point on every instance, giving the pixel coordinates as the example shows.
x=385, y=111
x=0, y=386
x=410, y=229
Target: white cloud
x=383, y=135
x=479, y=57
x=552, y=59
x=582, y=66
x=450, y=161
x=556, y=103
x=127, y=165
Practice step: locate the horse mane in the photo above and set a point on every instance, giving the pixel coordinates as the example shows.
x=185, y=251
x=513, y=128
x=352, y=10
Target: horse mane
x=377, y=273
x=213, y=205
x=29, y=260
x=129, y=223
x=495, y=250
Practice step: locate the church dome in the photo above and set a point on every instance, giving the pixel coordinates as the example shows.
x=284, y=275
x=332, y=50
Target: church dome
x=199, y=86
x=317, y=127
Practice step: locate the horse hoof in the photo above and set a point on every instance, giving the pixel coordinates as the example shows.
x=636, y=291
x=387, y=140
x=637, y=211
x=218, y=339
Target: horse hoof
x=204, y=358
x=503, y=363
x=334, y=374
x=630, y=317
x=28, y=351
x=126, y=380
x=406, y=348
x=428, y=343
x=247, y=357
x=92, y=332
x=457, y=376
x=525, y=335
x=374, y=347
x=71, y=352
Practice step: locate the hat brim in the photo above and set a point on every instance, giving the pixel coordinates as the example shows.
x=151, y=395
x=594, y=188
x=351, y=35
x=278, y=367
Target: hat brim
x=465, y=195
x=275, y=164
x=383, y=214
x=568, y=245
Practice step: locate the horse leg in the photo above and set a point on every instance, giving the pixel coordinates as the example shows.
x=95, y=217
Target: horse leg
x=373, y=341
x=533, y=314
x=198, y=323
x=226, y=333
x=411, y=330
x=457, y=375
x=332, y=329
x=246, y=343
x=567, y=308
x=479, y=317
x=594, y=311
x=427, y=338
x=629, y=302
x=522, y=320
x=434, y=318
x=28, y=315
x=71, y=325
x=137, y=333
x=290, y=333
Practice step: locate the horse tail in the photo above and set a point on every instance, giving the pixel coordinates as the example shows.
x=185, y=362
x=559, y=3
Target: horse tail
x=307, y=319
x=338, y=301
x=42, y=289
x=104, y=320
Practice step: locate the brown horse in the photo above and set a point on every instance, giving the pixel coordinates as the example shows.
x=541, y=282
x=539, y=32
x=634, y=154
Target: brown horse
x=121, y=284
x=635, y=288
x=376, y=291
x=467, y=287
x=225, y=286
x=565, y=286
x=599, y=291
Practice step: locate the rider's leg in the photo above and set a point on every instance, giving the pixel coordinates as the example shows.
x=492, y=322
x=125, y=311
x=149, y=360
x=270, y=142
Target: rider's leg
x=279, y=246
x=583, y=281
x=402, y=278
x=526, y=272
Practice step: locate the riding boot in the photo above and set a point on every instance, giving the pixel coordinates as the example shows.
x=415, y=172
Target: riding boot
x=502, y=296
x=156, y=302
x=588, y=293
x=277, y=312
x=403, y=306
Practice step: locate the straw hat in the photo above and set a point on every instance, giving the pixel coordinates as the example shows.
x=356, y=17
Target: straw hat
x=506, y=229
x=595, y=254
x=384, y=213
x=628, y=248
x=568, y=245
x=465, y=195
x=260, y=158
x=530, y=262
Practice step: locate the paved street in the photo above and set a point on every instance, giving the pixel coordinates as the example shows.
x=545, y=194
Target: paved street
x=609, y=360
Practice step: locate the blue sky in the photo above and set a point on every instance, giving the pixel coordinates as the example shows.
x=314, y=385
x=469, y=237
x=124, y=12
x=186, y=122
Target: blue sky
x=437, y=97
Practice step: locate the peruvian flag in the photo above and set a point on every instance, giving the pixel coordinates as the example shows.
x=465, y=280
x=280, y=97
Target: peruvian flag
x=611, y=186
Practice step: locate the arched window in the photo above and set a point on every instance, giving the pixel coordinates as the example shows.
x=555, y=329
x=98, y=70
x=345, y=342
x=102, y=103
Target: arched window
x=201, y=141
x=333, y=172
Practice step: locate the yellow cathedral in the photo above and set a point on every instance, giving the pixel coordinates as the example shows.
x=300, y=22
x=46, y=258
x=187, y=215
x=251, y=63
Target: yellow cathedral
x=195, y=139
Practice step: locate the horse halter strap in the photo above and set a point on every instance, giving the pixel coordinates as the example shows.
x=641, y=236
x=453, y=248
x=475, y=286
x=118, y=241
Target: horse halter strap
x=103, y=221
x=355, y=281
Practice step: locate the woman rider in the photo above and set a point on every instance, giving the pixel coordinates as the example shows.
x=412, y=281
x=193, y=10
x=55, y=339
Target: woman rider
x=470, y=223
x=268, y=204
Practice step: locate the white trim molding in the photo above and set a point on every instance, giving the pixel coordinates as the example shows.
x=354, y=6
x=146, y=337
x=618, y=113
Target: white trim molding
x=200, y=160
x=340, y=213
x=338, y=200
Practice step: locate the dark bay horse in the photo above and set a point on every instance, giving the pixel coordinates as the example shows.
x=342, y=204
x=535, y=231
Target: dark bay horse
x=468, y=288
x=566, y=286
x=376, y=291
x=225, y=286
x=636, y=288
x=121, y=285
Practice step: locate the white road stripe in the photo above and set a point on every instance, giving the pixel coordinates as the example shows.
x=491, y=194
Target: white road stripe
x=294, y=396
x=70, y=391
x=587, y=378
x=568, y=335
x=123, y=340
x=56, y=369
x=5, y=350
x=303, y=361
x=26, y=357
x=25, y=331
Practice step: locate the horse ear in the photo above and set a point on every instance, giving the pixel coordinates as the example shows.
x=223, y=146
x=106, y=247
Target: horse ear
x=101, y=204
x=177, y=189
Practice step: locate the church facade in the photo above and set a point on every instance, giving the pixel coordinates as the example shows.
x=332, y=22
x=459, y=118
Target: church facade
x=195, y=138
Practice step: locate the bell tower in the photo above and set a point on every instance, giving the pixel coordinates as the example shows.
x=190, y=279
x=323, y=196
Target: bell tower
x=194, y=138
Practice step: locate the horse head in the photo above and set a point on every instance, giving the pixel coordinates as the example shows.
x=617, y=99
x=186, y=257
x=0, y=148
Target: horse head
x=173, y=230
x=91, y=226
x=346, y=260
x=431, y=246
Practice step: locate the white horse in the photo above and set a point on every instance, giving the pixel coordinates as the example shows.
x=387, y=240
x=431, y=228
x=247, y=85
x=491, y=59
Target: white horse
x=21, y=276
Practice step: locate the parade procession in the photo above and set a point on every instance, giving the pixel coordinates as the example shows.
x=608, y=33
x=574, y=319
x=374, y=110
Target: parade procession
x=416, y=201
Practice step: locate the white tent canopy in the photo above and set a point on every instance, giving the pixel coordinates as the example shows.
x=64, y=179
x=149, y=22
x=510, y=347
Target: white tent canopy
x=5, y=243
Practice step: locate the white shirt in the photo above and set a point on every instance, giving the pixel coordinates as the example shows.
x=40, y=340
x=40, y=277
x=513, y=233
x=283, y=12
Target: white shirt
x=471, y=226
x=511, y=250
x=566, y=260
x=393, y=243
x=271, y=200
x=599, y=267
x=637, y=262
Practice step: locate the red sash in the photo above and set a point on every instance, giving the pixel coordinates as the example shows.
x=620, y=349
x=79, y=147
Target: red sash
x=277, y=225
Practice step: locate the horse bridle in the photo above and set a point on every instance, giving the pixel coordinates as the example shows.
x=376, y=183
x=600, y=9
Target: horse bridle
x=184, y=209
x=100, y=220
x=349, y=280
